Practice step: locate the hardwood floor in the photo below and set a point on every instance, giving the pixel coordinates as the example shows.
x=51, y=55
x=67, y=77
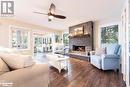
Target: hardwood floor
x=82, y=74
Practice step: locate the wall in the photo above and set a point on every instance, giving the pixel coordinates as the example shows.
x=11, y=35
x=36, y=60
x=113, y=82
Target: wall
x=5, y=31
x=96, y=37
x=4, y=35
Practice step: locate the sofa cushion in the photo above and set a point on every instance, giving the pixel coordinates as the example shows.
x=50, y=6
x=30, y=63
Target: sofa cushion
x=3, y=67
x=116, y=49
x=34, y=76
x=17, y=61
x=110, y=47
x=119, y=51
x=111, y=56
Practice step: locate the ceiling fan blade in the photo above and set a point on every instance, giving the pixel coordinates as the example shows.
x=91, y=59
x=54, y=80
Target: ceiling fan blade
x=59, y=16
x=40, y=13
x=52, y=8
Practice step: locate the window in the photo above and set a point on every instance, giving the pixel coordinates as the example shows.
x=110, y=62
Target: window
x=66, y=39
x=38, y=41
x=19, y=38
x=43, y=43
x=109, y=34
x=57, y=39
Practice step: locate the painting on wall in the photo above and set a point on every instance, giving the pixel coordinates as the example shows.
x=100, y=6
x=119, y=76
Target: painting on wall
x=78, y=31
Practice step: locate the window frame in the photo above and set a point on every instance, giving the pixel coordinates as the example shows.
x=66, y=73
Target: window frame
x=64, y=38
x=15, y=28
x=106, y=25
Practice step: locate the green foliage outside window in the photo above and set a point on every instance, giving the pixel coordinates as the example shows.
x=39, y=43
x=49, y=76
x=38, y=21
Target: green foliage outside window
x=109, y=34
x=66, y=39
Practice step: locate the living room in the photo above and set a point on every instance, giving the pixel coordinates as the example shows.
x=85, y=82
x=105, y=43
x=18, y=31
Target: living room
x=50, y=43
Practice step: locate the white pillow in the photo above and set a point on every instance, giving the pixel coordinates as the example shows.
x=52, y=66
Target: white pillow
x=100, y=51
x=17, y=61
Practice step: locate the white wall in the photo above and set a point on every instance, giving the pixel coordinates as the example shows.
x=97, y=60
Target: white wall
x=96, y=35
x=4, y=35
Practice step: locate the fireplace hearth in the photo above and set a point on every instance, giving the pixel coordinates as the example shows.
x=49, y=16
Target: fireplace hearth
x=79, y=48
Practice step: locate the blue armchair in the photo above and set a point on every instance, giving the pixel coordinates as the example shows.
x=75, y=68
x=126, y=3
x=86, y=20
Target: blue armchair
x=108, y=61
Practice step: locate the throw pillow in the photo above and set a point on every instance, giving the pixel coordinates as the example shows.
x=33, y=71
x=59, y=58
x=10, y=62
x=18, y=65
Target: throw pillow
x=17, y=61
x=116, y=49
x=119, y=51
x=100, y=51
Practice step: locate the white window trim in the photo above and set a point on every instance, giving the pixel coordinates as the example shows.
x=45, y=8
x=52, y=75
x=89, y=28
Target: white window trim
x=24, y=29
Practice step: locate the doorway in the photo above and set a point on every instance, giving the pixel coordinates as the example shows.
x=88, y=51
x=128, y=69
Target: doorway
x=42, y=43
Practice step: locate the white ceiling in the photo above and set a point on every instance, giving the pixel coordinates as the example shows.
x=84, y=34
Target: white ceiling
x=77, y=11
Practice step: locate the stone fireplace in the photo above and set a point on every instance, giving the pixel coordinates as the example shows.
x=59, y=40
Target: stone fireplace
x=82, y=42
x=79, y=48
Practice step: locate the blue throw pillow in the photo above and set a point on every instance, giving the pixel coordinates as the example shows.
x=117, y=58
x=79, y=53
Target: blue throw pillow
x=119, y=51
x=116, y=49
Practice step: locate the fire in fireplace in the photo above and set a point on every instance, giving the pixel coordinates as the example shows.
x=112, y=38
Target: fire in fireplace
x=79, y=48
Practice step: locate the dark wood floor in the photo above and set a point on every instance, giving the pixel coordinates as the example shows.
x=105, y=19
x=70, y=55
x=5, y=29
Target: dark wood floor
x=83, y=74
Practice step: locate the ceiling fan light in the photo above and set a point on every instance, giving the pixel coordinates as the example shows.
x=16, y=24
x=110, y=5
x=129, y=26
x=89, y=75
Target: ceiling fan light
x=51, y=17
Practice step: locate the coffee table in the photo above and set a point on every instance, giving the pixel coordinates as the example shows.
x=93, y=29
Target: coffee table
x=58, y=61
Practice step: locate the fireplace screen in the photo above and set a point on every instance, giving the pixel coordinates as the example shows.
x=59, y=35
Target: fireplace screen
x=79, y=48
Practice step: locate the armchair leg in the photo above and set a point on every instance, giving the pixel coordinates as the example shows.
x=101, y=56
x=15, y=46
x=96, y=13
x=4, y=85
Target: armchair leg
x=59, y=70
x=116, y=70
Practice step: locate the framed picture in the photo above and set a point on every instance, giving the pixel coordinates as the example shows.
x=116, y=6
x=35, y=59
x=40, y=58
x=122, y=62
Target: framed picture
x=79, y=31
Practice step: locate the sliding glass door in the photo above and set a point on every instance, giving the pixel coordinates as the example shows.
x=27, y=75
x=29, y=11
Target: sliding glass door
x=38, y=44
x=42, y=43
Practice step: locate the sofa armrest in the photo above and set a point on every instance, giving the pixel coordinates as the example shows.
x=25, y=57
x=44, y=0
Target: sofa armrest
x=36, y=75
x=92, y=52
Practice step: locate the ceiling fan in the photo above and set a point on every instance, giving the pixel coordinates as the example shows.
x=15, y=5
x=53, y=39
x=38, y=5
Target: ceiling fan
x=51, y=14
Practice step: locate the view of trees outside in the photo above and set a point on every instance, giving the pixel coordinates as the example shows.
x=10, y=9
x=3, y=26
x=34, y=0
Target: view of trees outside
x=57, y=39
x=38, y=41
x=109, y=34
x=19, y=39
x=66, y=39
x=43, y=43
